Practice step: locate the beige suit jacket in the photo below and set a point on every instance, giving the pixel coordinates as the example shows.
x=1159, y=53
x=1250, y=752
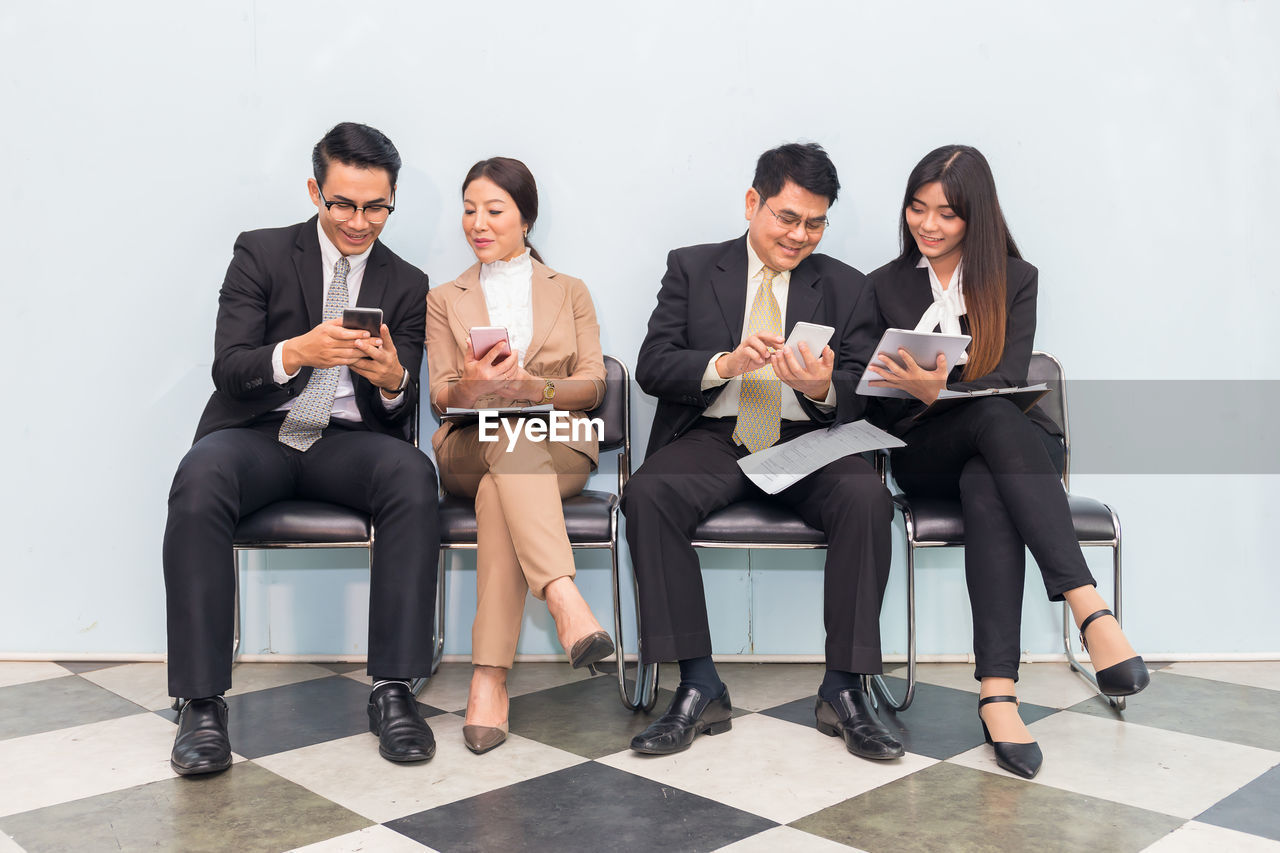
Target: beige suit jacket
x=565, y=346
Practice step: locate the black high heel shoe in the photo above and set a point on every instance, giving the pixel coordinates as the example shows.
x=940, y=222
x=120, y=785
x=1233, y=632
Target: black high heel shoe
x=1122, y=679
x=1020, y=759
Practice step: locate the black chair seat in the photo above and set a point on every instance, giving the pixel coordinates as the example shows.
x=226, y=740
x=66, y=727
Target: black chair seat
x=586, y=518
x=312, y=522
x=938, y=520
x=757, y=521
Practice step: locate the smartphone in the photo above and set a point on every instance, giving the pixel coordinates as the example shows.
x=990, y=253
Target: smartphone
x=369, y=319
x=813, y=334
x=485, y=338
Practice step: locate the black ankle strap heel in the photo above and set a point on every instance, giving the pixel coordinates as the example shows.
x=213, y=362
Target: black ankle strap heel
x=1122, y=679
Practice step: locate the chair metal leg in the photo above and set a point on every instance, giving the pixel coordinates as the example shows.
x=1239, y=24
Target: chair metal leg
x=1117, y=702
x=437, y=634
x=235, y=598
x=908, y=523
x=645, y=693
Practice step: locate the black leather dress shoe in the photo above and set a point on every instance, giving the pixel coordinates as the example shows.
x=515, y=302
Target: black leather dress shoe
x=202, y=744
x=402, y=733
x=690, y=715
x=852, y=717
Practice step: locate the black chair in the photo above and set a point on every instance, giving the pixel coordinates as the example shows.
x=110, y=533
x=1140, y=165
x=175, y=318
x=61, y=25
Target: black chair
x=939, y=524
x=590, y=518
x=317, y=524
x=746, y=525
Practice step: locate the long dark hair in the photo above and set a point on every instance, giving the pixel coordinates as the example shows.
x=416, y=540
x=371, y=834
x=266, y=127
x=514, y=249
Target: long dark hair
x=517, y=181
x=970, y=189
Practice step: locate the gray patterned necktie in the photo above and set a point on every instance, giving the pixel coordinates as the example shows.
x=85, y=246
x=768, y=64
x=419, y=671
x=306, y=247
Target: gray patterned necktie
x=310, y=414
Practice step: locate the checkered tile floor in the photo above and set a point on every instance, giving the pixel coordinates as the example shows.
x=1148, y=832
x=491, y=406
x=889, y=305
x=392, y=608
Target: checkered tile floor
x=1191, y=765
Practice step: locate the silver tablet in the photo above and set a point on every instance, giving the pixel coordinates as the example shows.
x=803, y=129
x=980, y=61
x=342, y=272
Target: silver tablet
x=925, y=347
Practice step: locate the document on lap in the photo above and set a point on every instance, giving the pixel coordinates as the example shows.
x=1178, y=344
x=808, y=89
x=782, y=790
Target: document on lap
x=1023, y=398
x=455, y=414
x=782, y=465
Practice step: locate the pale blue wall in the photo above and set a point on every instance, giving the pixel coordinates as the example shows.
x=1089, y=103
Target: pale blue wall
x=1134, y=146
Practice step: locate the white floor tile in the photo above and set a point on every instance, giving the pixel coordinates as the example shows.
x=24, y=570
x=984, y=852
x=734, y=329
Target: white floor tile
x=8, y=845
x=373, y=839
x=352, y=774
x=788, y=839
x=21, y=671
x=1264, y=674
x=1051, y=684
x=769, y=767
x=147, y=683
x=68, y=764
x=1199, y=837
x=1163, y=771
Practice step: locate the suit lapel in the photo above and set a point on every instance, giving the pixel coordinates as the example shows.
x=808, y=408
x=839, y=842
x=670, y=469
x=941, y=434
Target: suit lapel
x=729, y=283
x=373, y=287
x=469, y=309
x=804, y=297
x=306, y=262
x=548, y=300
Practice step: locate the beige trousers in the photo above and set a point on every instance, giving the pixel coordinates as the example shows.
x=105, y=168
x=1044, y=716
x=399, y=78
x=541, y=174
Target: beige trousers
x=521, y=540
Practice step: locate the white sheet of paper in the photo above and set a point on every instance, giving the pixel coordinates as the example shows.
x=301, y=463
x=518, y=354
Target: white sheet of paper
x=782, y=465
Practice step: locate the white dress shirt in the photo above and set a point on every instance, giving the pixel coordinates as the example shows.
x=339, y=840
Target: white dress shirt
x=344, y=399
x=948, y=305
x=508, y=294
x=726, y=405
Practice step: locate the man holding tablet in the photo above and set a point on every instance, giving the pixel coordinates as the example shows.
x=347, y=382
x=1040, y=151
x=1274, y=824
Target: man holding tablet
x=307, y=406
x=714, y=356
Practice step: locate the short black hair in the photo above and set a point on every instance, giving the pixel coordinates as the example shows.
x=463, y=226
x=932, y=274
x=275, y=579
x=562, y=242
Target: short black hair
x=356, y=145
x=804, y=164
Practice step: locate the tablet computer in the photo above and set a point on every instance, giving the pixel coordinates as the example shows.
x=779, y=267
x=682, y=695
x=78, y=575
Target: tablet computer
x=925, y=347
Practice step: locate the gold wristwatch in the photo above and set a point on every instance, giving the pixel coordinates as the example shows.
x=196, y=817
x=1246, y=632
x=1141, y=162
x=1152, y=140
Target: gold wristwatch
x=548, y=391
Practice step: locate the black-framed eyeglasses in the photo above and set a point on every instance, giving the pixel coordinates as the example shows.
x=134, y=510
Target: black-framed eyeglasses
x=789, y=220
x=342, y=211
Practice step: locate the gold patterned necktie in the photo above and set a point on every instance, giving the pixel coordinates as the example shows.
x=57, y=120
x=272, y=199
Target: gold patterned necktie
x=760, y=401
x=310, y=414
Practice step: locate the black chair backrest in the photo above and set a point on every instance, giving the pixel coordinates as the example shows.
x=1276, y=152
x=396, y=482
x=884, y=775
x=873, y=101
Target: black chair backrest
x=1047, y=369
x=614, y=409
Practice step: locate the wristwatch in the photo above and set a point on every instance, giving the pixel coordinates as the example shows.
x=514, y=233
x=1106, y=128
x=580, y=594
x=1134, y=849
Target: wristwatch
x=548, y=391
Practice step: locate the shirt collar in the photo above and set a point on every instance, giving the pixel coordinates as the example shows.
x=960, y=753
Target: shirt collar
x=518, y=269
x=955, y=288
x=755, y=266
x=329, y=253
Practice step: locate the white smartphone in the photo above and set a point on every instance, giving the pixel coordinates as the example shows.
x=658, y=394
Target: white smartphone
x=485, y=338
x=813, y=334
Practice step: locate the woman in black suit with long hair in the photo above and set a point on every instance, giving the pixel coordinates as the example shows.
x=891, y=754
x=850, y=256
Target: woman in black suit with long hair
x=960, y=272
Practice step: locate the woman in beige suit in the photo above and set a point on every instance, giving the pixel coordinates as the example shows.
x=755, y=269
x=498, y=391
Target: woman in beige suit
x=554, y=357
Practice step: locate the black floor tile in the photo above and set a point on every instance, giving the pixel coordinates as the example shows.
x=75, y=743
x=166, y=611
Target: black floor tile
x=246, y=808
x=79, y=666
x=58, y=703
x=1200, y=706
x=941, y=721
x=946, y=808
x=583, y=717
x=589, y=807
x=296, y=715
x=1252, y=809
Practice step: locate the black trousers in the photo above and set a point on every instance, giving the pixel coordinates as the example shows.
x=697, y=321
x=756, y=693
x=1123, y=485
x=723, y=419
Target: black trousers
x=696, y=474
x=1006, y=472
x=233, y=472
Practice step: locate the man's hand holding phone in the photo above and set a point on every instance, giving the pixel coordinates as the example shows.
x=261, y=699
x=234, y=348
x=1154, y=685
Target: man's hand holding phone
x=381, y=365
x=327, y=345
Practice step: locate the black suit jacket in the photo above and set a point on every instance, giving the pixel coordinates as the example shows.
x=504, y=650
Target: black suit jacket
x=700, y=311
x=902, y=294
x=274, y=290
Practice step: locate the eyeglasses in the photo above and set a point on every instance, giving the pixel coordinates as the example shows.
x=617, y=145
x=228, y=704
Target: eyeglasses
x=789, y=220
x=342, y=211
